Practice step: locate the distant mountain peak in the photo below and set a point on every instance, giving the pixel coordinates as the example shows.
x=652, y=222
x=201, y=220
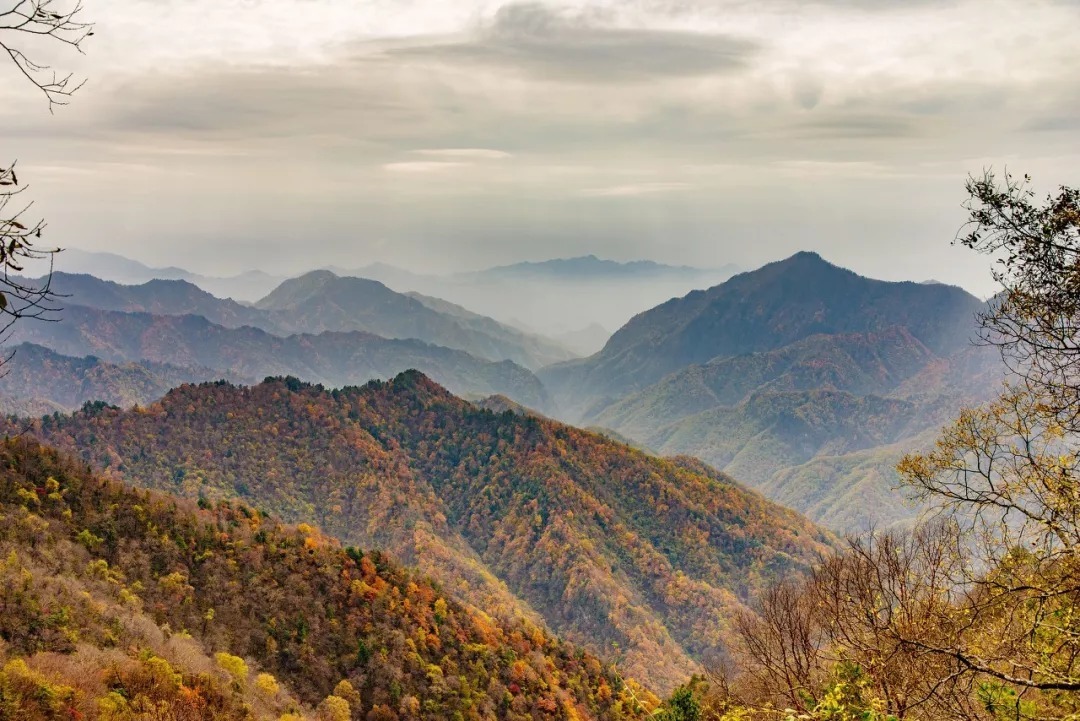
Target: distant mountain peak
x=806, y=259
x=321, y=275
x=762, y=310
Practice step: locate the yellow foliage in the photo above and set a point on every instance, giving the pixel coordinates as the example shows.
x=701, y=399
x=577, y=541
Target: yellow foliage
x=345, y=690
x=334, y=708
x=114, y=707
x=267, y=685
x=28, y=694
x=161, y=673
x=233, y=665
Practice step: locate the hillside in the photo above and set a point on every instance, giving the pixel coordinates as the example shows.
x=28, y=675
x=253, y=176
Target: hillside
x=859, y=363
x=321, y=301
x=35, y=374
x=332, y=358
x=821, y=435
x=804, y=380
x=760, y=311
x=524, y=517
x=126, y=604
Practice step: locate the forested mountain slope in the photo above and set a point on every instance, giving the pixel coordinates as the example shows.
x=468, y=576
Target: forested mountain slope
x=36, y=374
x=332, y=358
x=520, y=515
x=118, y=603
x=822, y=435
x=802, y=379
x=759, y=311
x=858, y=363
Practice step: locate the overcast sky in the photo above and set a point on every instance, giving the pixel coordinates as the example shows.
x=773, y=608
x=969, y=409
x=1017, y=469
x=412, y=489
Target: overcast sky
x=222, y=135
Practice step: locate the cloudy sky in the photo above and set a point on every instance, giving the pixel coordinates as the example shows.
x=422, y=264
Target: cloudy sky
x=451, y=134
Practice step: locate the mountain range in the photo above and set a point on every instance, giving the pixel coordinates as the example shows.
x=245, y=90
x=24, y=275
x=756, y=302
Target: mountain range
x=802, y=379
x=247, y=286
x=521, y=516
x=763, y=310
x=554, y=297
x=541, y=551
x=317, y=302
x=560, y=296
x=37, y=380
x=333, y=358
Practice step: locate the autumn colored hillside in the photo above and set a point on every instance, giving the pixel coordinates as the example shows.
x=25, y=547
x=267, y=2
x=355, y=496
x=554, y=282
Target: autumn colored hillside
x=628, y=555
x=118, y=603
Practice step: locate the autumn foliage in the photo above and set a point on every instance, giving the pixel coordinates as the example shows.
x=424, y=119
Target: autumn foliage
x=633, y=557
x=118, y=603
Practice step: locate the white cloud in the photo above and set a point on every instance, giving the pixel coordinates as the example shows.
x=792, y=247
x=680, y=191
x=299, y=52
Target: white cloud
x=473, y=153
x=423, y=167
x=633, y=190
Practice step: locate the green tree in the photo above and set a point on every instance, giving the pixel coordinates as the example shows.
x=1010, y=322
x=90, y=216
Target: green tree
x=682, y=706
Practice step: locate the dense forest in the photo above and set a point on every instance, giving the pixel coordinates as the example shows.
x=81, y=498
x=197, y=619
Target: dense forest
x=522, y=516
x=804, y=380
x=117, y=603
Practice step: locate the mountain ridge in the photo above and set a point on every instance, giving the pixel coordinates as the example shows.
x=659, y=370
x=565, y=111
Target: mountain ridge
x=333, y=358
x=528, y=300
x=316, y=302
x=518, y=513
x=757, y=311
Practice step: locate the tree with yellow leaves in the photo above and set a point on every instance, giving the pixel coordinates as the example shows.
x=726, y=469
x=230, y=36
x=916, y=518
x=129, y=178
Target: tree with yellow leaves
x=976, y=613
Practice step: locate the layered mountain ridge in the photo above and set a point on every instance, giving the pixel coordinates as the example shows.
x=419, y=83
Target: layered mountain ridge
x=333, y=358
x=522, y=516
x=762, y=310
x=316, y=302
x=801, y=378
